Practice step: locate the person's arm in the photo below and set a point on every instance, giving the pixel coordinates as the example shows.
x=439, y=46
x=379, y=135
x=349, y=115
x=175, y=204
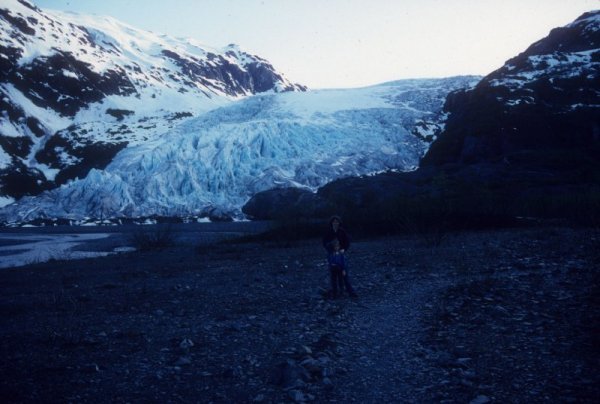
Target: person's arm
x=344, y=240
x=326, y=244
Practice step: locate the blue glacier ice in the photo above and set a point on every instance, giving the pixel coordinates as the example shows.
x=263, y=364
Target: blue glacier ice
x=216, y=161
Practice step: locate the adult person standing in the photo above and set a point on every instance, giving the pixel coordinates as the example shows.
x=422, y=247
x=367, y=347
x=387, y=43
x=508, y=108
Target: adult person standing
x=337, y=242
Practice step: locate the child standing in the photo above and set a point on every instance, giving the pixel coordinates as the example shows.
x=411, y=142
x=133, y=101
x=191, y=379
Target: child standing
x=337, y=268
x=336, y=242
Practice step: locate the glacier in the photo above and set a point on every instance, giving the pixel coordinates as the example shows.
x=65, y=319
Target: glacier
x=178, y=128
x=211, y=164
x=75, y=89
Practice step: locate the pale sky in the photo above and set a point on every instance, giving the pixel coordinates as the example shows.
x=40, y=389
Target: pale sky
x=352, y=43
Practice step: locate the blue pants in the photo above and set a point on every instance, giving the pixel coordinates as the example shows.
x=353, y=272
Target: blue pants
x=339, y=280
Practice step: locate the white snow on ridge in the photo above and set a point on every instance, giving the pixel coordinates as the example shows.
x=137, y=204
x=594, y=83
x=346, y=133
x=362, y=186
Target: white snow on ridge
x=559, y=63
x=5, y=201
x=556, y=65
x=47, y=117
x=5, y=159
x=105, y=43
x=68, y=73
x=592, y=22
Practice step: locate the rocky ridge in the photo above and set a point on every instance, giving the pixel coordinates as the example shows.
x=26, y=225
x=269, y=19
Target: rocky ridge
x=545, y=98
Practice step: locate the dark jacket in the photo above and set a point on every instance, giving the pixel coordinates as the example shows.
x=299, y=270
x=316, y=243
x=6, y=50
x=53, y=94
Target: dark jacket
x=342, y=237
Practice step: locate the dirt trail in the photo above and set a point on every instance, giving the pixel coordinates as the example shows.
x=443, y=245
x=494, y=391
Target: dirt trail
x=382, y=350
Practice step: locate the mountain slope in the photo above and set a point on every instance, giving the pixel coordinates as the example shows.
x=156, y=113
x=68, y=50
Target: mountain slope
x=75, y=87
x=545, y=98
x=211, y=165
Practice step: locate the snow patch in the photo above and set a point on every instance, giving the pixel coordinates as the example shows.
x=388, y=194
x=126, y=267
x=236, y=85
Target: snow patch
x=68, y=73
x=47, y=117
x=49, y=173
x=5, y=159
x=5, y=200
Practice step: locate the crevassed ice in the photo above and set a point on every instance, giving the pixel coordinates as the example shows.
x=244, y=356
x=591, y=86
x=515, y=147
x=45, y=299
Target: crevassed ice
x=223, y=157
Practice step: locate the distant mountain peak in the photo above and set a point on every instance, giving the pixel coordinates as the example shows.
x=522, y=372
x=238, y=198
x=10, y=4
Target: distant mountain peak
x=544, y=98
x=61, y=70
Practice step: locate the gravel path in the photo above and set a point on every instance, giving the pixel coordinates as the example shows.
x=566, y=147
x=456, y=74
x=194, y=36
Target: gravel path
x=383, y=355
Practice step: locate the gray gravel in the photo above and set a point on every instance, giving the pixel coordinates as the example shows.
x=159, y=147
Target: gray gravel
x=493, y=316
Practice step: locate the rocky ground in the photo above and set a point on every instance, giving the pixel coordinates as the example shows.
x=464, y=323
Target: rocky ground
x=498, y=316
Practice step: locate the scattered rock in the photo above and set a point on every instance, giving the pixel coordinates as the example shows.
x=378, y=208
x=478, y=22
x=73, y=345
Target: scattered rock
x=429, y=333
x=297, y=396
x=289, y=374
x=480, y=400
x=186, y=344
x=183, y=361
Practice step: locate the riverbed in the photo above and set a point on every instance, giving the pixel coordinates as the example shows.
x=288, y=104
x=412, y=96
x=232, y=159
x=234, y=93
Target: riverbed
x=31, y=245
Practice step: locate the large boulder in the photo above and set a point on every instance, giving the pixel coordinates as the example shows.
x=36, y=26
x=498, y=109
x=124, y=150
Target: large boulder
x=285, y=203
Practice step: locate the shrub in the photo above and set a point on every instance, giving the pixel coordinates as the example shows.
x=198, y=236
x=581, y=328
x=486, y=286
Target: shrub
x=580, y=206
x=155, y=239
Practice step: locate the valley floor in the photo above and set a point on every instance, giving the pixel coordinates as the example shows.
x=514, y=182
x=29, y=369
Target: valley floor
x=498, y=316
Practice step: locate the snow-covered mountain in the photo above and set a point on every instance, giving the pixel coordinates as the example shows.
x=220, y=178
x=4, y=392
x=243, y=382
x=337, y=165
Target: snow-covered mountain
x=77, y=89
x=104, y=120
x=547, y=97
x=211, y=165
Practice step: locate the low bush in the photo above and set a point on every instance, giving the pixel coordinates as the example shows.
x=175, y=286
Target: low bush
x=579, y=206
x=157, y=238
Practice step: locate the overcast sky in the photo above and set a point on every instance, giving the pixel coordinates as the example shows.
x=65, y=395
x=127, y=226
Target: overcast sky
x=352, y=43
